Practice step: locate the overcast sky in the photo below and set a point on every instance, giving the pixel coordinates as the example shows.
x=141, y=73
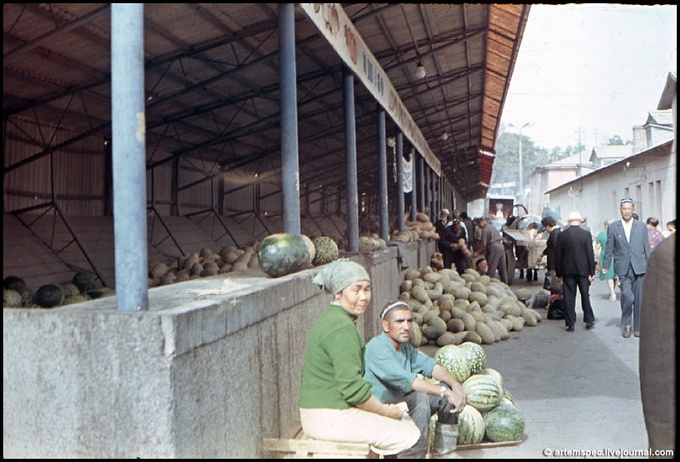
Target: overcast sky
x=597, y=69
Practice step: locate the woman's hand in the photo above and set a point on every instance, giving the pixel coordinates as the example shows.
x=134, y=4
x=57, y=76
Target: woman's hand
x=394, y=411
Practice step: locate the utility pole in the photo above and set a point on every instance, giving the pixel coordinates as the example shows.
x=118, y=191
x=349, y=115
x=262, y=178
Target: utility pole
x=521, y=174
x=580, y=161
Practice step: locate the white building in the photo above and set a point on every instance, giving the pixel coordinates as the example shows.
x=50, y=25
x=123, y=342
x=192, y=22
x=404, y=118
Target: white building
x=647, y=176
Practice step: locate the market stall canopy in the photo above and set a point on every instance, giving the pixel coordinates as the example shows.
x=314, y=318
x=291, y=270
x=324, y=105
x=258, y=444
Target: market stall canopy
x=212, y=81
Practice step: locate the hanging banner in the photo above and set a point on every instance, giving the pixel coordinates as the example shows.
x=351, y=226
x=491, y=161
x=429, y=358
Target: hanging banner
x=408, y=174
x=332, y=21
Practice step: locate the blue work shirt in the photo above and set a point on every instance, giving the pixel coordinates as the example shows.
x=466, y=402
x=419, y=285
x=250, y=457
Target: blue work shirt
x=392, y=373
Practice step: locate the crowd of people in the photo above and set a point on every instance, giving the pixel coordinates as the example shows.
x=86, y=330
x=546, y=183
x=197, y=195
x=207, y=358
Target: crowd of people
x=374, y=393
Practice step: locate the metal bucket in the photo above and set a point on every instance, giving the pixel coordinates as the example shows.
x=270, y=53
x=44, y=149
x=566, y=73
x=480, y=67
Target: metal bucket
x=445, y=440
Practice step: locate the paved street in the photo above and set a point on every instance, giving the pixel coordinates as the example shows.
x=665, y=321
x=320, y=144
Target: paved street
x=577, y=391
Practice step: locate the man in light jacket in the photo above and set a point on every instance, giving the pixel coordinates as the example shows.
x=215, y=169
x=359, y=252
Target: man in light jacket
x=628, y=245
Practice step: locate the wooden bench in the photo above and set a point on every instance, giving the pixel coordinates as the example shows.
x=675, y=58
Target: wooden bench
x=303, y=447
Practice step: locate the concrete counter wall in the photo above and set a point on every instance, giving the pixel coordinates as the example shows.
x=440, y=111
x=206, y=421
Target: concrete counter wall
x=211, y=369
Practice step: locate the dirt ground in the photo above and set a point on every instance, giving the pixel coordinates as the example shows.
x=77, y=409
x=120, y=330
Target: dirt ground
x=578, y=392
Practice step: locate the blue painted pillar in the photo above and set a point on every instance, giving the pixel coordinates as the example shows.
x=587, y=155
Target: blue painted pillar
x=128, y=126
x=382, y=168
x=290, y=167
x=414, y=184
x=400, y=181
x=421, y=184
x=351, y=156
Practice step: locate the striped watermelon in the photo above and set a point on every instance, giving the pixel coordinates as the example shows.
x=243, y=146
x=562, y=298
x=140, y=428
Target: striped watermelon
x=483, y=392
x=453, y=359
x=504, y=423
x=475, y=355
x=495, y=374
x=470, y=426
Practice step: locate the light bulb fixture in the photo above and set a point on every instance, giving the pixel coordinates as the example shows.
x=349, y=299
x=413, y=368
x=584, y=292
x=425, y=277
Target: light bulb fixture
x=444, y=137
x=420, y=70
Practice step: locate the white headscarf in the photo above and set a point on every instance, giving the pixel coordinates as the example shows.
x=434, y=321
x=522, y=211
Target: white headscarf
x=340, y=274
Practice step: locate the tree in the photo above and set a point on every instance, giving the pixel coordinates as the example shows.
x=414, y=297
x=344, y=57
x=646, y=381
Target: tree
x=615, y=140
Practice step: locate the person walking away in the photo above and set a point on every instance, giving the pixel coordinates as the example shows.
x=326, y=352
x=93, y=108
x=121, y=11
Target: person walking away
x=610, y=274
x=335, y=401
x=655, y=236
x=575, y=265
x=657, y=352
x=628, y=245
x=493, y=249
x=393, y=366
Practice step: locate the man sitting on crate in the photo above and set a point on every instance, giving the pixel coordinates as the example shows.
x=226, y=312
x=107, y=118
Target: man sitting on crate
x=392, y=367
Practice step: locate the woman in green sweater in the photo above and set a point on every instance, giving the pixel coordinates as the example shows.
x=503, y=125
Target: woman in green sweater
x=336, y=403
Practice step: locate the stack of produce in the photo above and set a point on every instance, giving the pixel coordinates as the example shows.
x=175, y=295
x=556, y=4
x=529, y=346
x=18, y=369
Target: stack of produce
x=451, y=308
x=82, y=287
x=490, y=413
x=422, y=228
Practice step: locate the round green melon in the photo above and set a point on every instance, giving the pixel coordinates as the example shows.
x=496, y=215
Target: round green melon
x=282, y=253
x=310, y=247
x=326, y=250
x=49, y=295
x=11, y=298
x=85, y=282
x=14, y=283
x=470, y=426
x=475, y=355
x=496, y=375
x=453, y=359
x=483, y=392
x=504, y=423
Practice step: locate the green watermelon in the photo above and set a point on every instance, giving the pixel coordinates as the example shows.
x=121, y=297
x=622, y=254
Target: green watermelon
x=470, y=426
x=310, y=247
x=453, y=359
x=475, y=355
x=49, y=295
x=495, y=374
x=483, y=392
x=14, y=283
x=85, y=282
x=504, y=423
x=282, y=253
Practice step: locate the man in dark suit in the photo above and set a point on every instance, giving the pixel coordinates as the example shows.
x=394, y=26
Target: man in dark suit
x=628, y=245
x=575, y=265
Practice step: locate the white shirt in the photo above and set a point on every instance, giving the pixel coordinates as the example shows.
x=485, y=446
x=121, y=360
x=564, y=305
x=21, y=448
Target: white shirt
x=627, y=227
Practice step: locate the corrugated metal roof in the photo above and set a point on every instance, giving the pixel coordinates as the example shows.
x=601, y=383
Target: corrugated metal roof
x=212, y=81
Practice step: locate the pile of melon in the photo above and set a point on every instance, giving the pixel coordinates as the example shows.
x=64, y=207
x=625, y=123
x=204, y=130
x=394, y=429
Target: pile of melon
x=450, y=308
x=278, y=254
x=490, y=413
x=422, y=228
x=82, y=287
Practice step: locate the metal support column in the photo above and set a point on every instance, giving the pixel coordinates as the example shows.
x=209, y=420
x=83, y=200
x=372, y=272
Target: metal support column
x=400, y=180
x=427, y=210
x=421, y=184
x=290, y=167
x=128, y=126
x=351, y=153
x=382, y=167
x=414, y=196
